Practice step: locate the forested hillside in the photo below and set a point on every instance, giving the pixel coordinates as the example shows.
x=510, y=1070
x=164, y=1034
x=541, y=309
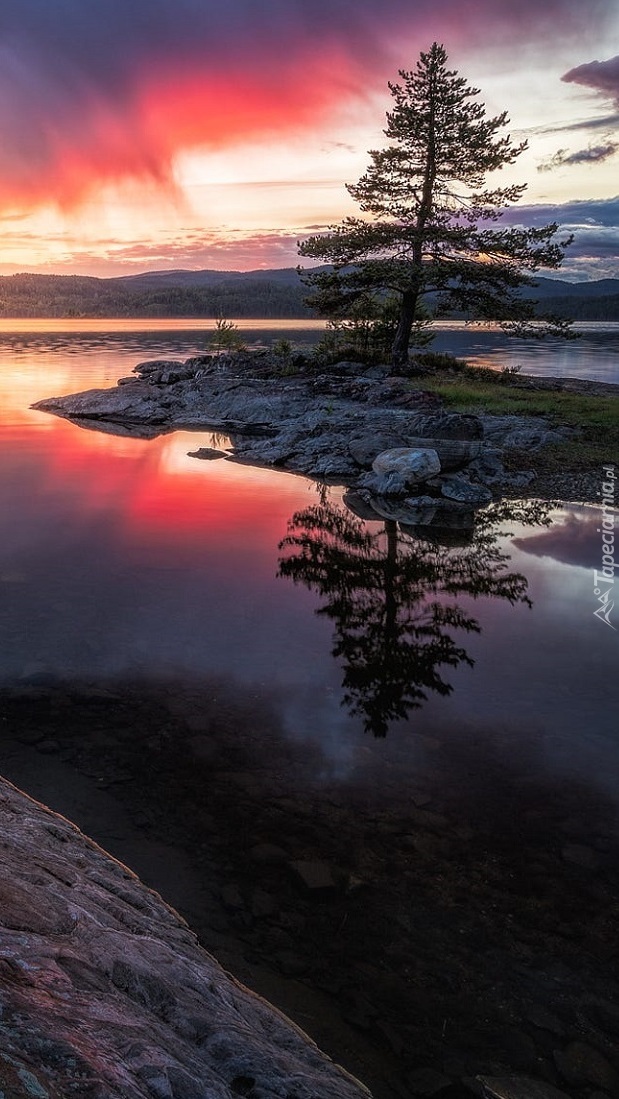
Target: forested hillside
x=232, y=294
x=216, y=294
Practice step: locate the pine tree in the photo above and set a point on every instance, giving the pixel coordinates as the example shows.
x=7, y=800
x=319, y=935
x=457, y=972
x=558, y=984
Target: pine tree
x=431, y=222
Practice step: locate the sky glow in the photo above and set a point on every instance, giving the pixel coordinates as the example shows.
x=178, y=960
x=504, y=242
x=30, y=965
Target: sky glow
x=190, y=134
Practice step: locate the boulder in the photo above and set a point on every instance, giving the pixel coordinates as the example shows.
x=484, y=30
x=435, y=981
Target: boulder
x=518, y=1087
x=453, y=453
x=106, y=991
x=154, y=366
x=488, y=468
x=383, y=484
x=530, y=438
x=581, y=1064
x=363, y=449
x=413, y=464
x=449, y=425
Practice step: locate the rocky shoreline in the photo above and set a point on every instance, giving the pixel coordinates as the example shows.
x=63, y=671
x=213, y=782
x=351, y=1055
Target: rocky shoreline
x=401, y=452
x=105, y=992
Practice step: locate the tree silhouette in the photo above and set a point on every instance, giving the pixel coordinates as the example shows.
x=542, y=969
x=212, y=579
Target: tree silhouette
x=429, y=224
x=391, y=597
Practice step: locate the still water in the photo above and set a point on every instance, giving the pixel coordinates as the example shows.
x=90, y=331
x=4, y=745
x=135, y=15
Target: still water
x=468, y=675
x=121, y=555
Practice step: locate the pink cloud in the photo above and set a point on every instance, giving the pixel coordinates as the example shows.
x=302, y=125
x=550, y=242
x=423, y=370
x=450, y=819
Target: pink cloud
x=97, y=93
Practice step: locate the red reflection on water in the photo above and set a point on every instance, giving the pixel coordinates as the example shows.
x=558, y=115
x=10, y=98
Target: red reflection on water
x=152, y=491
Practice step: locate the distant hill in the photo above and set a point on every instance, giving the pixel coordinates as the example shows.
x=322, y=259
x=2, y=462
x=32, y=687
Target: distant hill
x=200, y=294
x=275, y=293
x=582, y=301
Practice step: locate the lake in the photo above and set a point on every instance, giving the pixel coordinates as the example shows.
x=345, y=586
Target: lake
x=379, y=772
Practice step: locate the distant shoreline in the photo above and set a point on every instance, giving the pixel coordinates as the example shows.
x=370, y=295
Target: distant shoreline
x=271, y=294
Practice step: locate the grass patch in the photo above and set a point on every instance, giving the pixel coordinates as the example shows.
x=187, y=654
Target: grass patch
x=597, y=419
x=574, y=409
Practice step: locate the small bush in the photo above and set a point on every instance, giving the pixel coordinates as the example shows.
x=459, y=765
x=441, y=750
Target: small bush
x=432, y=361
x=226, y=337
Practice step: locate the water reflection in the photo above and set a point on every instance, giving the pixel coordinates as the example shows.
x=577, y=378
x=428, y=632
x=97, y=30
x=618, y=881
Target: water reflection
x=391, y=597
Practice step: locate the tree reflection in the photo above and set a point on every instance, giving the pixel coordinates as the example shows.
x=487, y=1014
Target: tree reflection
x=391, y=597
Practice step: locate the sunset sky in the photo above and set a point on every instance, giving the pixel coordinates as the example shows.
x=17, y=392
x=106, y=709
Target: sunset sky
x=157, y=134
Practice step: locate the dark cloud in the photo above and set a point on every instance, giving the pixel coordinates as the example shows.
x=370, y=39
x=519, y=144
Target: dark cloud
x=608, y=122
x=581, y=212
x=601, y=76
x=594, y=154
x=595, y=226
x=94, y=90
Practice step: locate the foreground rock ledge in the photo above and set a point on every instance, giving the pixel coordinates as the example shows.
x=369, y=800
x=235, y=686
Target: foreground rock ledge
x=106, y=994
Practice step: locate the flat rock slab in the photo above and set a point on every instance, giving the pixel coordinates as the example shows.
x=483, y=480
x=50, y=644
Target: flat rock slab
x=314, y=875
x=105, y=991
x=207, y=453
x=518, y=1087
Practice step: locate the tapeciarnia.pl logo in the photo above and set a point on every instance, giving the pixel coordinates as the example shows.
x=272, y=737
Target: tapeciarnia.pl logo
x=603, y=582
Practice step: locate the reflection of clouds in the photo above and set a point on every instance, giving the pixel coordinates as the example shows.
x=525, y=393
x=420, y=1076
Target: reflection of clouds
x=574, y=541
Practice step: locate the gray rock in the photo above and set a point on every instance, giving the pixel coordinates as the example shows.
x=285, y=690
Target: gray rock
x=580, y=1064
x=453, y=453
x=314, y=875
x=383, y=484
x=529, y=438
x=333, y=466
x=154, y=366
x=545, y=1020
x=365, y=448
x=413, y=465
x=360, y=506
x=518, y=1087
x=516, y=480
x=448, y=425
x=459, y=488
x=521, y=432
x=488, y=468
x=110, y=988
x=348, y=368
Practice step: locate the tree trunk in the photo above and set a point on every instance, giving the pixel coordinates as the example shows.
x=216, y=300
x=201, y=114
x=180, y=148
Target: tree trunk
x=399, y=351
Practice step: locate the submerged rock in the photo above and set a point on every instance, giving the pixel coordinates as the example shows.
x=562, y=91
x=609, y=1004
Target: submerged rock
x=207, y=453
x=459, y=488
x=518, y=1087
x=106, y=991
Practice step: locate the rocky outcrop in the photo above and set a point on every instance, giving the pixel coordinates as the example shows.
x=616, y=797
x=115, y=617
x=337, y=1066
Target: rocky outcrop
x=105, y=992
x=332, y=427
